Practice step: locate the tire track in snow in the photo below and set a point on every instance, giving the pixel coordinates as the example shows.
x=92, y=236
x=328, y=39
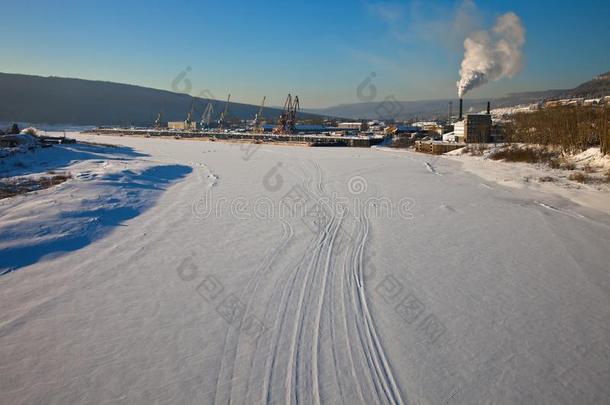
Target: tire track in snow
x=315, y=348
x=431, y=168
x=258, y=277
x=283, y=314
x=345, y=285
x=379, y=371
x=275, y=341
x=382, y=365
x=292, y=357
x=333, y=335
x=233, y=335
x=369, y=370
x=560, y=211
x=299, y=379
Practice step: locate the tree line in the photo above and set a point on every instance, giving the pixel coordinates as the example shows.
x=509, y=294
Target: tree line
x=571, y=128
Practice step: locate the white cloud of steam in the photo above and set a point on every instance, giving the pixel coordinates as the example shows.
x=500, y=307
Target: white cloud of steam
x=492, y=55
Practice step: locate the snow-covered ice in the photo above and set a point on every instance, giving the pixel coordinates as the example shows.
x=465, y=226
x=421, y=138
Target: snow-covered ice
x=211, y=272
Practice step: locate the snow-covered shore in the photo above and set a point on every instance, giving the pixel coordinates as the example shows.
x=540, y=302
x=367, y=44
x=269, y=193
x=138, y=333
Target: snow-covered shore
x=542, y=178
x=401, y=279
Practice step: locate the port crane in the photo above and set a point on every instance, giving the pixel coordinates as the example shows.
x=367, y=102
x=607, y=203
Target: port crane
x=224, y=114
x=287, y=121
x=258, y=118
x=158, y=123
x=189, y=117
x=206, y=117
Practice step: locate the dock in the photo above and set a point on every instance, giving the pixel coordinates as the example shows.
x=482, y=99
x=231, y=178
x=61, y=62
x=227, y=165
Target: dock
x=308, y=139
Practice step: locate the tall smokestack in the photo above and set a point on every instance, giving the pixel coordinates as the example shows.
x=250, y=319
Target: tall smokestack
x=461, y=109
x=488, y=108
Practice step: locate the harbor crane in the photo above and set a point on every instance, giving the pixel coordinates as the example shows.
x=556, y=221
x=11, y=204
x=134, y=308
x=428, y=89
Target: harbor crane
x=224, y=114
x=287, y=122
x=189, y=117
x=258, y=118
x=206, y=117
x=158, y=123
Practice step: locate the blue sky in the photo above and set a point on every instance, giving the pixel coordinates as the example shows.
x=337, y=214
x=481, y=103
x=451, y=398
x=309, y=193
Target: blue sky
x=321, y=50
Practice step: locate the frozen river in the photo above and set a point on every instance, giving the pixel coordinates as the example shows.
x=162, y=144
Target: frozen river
x=204, y=272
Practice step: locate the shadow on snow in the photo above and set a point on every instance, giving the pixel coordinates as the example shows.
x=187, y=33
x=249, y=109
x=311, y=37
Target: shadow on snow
x=124, y=196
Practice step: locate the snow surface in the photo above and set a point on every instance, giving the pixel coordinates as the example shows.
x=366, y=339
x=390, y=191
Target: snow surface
x=166, y=271
x=595, y=195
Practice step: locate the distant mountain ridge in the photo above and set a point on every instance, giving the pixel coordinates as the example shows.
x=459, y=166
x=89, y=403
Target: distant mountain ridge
x=56, y=100
x=430, y=109
x=597, y=87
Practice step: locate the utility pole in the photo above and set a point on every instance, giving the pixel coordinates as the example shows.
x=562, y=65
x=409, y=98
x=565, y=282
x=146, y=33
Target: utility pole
x=450, y=112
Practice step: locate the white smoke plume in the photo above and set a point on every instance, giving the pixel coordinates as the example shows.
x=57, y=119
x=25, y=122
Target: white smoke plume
x=492, y=55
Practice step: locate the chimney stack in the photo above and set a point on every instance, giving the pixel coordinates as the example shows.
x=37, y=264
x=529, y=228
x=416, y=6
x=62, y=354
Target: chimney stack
x=461, y=110
x=488, y=108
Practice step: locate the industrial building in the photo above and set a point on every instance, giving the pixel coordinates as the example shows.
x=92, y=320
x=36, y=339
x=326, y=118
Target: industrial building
x=429, y=126
x=473, y=128
x=458, y=133
x=183, y=125
x=350, y=125
x=477, y=128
